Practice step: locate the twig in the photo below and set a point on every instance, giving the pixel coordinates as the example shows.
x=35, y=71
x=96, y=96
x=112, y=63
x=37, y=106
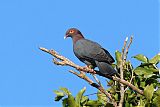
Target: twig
x=94, y=76
x=115, y=78
x=128, y=84
x=130, y=80
x=121, y=73
x=126, y=52
x=124, y=47
x=92, y=94
x=132, y=76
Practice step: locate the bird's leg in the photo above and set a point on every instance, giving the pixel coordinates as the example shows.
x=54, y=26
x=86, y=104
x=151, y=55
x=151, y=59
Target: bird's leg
x=91, y=67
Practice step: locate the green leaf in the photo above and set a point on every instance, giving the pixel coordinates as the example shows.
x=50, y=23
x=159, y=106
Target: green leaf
x=147, y=72
x=93, y=103
x=128, y=92
x=146, y=64
x=112, y=90
x=141, y=57
x=118, y=57
x=71, y=101
x=113, y=65
x=84, y=100
x=156, y=101
x=155, y=59
x=59, y=94
x=142, y=84
x=127, y=104
x=154, y=70
x=129, y=65
x=79, y=96
x=158, y=92
x=116, y=97
x=102, y=98
x=65, y=102
x=65, y=90
x=141, y=103
x=110, y=83
x=131, y=97
x=148, y=92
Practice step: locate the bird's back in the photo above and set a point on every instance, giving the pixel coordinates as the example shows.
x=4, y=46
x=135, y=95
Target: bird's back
x=89, y=50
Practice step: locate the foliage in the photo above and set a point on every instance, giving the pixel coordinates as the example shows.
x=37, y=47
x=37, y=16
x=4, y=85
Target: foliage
x=146, y=77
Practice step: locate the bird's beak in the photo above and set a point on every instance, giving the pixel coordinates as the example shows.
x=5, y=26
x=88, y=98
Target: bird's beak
x=65, y=36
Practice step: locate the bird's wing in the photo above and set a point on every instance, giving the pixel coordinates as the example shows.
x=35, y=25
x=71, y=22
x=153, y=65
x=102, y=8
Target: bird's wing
x=90, y=50
x=105, y=68
x=111, y=59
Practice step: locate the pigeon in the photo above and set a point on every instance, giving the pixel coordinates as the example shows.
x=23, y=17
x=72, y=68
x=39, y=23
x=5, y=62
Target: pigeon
x=91, y=53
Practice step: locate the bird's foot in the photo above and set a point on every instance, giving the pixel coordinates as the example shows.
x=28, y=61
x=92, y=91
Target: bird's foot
x=85, y=67
x=90, y=67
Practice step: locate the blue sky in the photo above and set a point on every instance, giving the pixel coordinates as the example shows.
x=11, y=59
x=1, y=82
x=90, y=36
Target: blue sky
x=27, y=75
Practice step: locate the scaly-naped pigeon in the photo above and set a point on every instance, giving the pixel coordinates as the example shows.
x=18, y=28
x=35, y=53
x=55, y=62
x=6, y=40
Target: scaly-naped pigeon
x=91, y=53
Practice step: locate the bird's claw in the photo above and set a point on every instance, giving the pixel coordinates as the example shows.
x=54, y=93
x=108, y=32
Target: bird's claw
x=90, y=69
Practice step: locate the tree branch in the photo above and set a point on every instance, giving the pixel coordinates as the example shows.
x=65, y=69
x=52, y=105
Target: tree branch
x=123, y=61
x=126, y=52
x=88, y=70
x=121, y=73
x=66, y=62
x=121, y=81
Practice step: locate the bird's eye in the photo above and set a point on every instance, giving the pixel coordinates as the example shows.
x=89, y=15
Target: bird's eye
x=71, y=31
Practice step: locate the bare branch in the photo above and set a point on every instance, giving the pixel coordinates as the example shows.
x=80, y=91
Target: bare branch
x=124, y=57
x=126, y=52
x=66, y=62
x=94, y=76
x=128, y=84
x=88, y=70
x=121, y=73
x=121, y=81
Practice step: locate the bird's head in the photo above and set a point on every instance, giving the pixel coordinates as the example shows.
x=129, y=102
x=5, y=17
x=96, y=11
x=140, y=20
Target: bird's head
x=73, y=32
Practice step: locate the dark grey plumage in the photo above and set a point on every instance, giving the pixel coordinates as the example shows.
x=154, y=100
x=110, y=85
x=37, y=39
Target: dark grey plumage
x=91, y=53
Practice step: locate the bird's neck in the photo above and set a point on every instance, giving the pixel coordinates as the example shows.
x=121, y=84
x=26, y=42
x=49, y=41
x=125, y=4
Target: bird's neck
x=77, y=37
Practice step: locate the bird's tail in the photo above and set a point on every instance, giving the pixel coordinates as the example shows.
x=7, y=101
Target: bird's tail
x=105, y=68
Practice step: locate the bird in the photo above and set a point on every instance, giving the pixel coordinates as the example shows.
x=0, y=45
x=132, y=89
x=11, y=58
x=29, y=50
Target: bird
x=91, y=53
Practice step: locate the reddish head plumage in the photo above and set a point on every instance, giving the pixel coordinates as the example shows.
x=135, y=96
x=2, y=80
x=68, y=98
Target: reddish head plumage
x=74, y=33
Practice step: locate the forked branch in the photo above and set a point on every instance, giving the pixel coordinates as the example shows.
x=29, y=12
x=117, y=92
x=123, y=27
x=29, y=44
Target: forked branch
x=67, y=62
